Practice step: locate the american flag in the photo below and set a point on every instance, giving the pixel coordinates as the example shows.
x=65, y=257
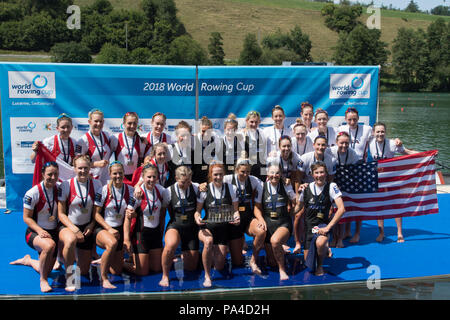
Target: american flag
x=406, y=187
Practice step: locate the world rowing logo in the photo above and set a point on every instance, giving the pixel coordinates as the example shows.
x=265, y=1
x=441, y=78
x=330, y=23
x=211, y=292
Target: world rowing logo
x=350, y=85
x=26, y=84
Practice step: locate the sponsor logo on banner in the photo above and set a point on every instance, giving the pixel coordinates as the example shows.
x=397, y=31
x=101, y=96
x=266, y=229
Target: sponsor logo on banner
x=350, y=85
x=83, y=127
x=25, y=84
x=27, y=128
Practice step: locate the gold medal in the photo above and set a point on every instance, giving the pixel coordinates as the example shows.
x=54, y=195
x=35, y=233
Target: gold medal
x=150, y=218
x=242, y=208
x=184, y=217
x=231, y=168
x=51, y=218
x=84, y=210
x=320, y=215
x=118, y=216
x=130, y=163
x=204, y=167
x=274, y=214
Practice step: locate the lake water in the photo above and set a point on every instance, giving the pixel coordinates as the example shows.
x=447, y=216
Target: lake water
x=420, y=120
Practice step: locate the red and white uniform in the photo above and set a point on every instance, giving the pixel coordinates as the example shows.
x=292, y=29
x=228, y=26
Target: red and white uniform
x=36, y=200
x=152, y=140
x=151, y=203
x=129, y=151
x=98, y=148
x=80, y=198
x=114, y=212
x=62, y=149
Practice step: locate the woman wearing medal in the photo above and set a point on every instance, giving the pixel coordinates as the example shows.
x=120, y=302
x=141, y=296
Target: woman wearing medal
x=159, y=158
x=61, y=145
x=255, y=144
x=383, y=148
x=221, y=208
x=277, y=198
x=112, y=213
x=182, y=151
x=40, y=214
x=98, y=145
x=273, y=133
x=249, y=192
x=322, y=129
x=76, y=213
x=181, y=227
x=157, y=135
x=150, y=221
x=232, y=144
x=359, y=134
x=130, y=146
x=301, y=142
x=317, y=199
x=344, y=156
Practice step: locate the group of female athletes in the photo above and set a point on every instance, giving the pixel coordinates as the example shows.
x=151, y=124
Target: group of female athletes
x=273, y=183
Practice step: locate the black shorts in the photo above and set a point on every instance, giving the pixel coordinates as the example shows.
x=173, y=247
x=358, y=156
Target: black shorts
x=219, y=231
x=147, y=239
x=30, y=235
x=188, y=234
x=238, y=231
x=119, y=242
x=89, y=241
x=274, y=224
x=308, y=233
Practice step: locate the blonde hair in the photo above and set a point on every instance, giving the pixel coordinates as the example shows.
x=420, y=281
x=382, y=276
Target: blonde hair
x=183, y=171
x=159, y=145
x=231, y=119
x=84, y=157
x=95, y=111
x=115, y=163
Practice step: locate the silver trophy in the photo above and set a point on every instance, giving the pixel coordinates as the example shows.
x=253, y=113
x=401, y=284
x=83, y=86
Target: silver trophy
x=220, y=213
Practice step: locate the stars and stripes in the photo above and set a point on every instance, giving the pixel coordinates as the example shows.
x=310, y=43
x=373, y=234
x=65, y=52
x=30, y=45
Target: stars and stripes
x=406, y=187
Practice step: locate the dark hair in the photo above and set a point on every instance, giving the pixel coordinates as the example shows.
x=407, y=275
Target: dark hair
x=321, y=137
x=49, y=164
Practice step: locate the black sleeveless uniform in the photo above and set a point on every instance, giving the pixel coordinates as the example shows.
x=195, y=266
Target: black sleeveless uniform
x=219, y=231
x=246, y=206
x=314, y=205
x=230, y=161
x=201, y=169
x=283, y=218
x=258, y=166
x=182, y=217
x=173, y=165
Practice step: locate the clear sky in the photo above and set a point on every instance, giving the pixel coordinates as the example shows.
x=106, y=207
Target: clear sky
x=401, y=4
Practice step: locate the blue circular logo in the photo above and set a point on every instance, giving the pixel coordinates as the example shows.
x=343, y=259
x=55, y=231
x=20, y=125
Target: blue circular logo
x=31, y=125
x=357, y=83
x=40, y=81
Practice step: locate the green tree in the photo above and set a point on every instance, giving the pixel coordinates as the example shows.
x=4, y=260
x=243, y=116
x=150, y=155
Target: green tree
x=362, y=46
x=56, y=8
x=292, y=46
x=341, y=18
x=186, y=51
x=412, y=7
x=438, y=40
x=441, y=10
x=410, y=59
x=215, y=48
x=112, y=54
x=140, y=56
x=251, y=52
x=300, y=44
x=70, y=52
x=102, y=7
